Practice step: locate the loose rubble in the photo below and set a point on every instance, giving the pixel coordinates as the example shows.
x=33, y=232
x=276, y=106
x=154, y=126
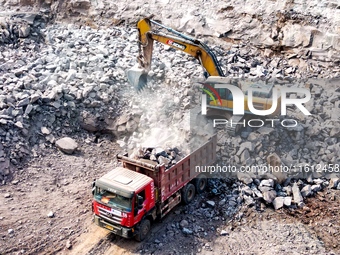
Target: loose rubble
x=291, y=194
x=50, y=214
x=68, y=244
x=20, y=29
x=49, y=91
x=168, y=157
x=49, y=99
x=68, y=80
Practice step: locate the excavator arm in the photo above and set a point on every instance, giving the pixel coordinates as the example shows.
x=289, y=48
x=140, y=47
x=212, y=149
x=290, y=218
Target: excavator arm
x=181, y=42
x=147, y=35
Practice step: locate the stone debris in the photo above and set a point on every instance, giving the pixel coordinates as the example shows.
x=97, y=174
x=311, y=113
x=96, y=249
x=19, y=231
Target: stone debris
x=60, y=80
x=287, y=201
x=265, y=192
x=184, y=223
x=45, y=131
x=187, y=231
x=333, y=183
x=306, y=191
x=248, y=200
x=269, y=196
x=54, y=83
x=210, y=203
x=50, y=214
x=298, y=199
x=18, y=26
x=316, y=188
x=244, y=177
x=267, y=183
x=168, y=157
x=278, y=202
x=224, y=233
x=67, y=145
x=68, y=244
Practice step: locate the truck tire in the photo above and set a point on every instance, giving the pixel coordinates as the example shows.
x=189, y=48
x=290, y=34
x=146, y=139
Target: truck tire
x=201, y=183
x=143, y=230
x=188, y=193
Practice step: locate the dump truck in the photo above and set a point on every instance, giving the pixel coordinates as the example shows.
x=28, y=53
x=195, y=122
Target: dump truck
x=129, y=198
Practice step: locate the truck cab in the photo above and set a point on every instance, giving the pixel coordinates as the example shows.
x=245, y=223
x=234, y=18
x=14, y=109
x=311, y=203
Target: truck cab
x=122, y=198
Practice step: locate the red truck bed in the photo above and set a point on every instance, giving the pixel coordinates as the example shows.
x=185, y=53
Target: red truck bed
x=168, y=181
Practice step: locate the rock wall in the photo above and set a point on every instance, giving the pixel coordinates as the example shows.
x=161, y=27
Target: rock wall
x=308, y=27
x=58, y=79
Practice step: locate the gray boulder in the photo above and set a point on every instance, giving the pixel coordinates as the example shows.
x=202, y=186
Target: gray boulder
x=278, y=202
x=306, y=191
x=67, y=145
x=269, y=196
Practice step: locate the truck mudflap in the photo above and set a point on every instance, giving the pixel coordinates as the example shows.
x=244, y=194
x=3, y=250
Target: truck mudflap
x=116, y=229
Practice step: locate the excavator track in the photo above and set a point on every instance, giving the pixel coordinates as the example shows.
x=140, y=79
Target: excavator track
x=233, y=129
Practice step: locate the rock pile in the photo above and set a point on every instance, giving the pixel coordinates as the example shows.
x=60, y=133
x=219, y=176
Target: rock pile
x=20, y=29
x=307, y=27
x=51, y=89
x=260, y=193
x=75, y=79
x=291, y=193
x=167, y=157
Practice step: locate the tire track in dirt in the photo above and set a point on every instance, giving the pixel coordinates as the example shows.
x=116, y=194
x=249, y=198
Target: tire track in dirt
x=100, y=241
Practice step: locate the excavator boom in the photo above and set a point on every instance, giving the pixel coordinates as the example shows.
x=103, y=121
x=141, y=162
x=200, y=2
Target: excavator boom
x=138, y=76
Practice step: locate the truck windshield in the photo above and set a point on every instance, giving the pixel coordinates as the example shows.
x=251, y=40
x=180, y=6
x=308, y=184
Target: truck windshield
x=110, y=198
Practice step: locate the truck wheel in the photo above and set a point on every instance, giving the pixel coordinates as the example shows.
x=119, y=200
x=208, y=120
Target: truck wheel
x=143, y=231
x=188, y=193
x=201, y=183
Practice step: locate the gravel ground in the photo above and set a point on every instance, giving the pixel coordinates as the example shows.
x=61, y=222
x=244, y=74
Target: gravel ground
x=62, y=75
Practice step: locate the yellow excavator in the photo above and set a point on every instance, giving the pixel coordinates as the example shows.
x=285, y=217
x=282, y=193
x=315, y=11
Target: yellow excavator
x=137, y=76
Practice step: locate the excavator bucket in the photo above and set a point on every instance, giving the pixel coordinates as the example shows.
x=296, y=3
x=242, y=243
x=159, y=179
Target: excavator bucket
x=137, y=77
